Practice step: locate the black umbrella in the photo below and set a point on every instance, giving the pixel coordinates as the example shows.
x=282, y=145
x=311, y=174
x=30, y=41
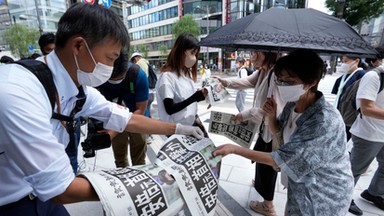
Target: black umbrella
x=287, y=29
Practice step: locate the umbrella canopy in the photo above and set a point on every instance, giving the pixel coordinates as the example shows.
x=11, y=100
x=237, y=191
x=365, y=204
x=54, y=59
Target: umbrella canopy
x=279, y=29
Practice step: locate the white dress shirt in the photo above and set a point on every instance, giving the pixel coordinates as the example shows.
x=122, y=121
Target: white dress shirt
x=32, y=145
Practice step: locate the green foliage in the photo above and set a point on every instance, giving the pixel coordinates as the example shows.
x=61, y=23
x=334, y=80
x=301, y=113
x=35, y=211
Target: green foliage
x=163, y=51
x=19, y=37
x=356, y=12
x=186, y=24
x=143, y=49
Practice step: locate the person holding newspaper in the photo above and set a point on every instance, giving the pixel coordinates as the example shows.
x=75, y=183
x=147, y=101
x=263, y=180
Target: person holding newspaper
x=38, y=177
x=176, y=95
x=315, y=156
x=262, y=82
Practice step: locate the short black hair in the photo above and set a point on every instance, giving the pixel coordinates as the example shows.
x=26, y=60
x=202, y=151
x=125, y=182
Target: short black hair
x=93, y=22
x=44, y=40
x=303, y=63
x=120, y=66
x=6, y=59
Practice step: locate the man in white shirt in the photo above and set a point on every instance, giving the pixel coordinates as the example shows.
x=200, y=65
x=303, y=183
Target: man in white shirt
x=368, y=138
x=36, y=174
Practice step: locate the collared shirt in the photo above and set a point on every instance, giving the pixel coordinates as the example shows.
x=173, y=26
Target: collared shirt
x=32, y=145
x=316, y=161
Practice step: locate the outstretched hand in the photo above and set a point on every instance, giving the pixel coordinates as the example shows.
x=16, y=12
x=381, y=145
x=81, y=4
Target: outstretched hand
x=221, y=80
x=224, y=150
x=189, y=130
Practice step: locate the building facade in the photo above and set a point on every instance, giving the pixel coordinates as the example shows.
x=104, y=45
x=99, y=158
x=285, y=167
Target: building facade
x=373, y=31
x=150, y=25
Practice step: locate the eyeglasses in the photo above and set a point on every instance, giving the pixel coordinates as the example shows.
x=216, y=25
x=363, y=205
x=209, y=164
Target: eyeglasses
x=280, y=82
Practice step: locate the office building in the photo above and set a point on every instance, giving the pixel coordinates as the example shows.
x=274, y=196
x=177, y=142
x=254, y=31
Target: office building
x=150, y=25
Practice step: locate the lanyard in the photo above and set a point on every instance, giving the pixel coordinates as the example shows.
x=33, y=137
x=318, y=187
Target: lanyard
x=343, y=81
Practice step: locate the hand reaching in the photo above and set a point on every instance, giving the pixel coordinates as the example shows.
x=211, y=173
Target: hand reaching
x=224, y=150
x=189, y=130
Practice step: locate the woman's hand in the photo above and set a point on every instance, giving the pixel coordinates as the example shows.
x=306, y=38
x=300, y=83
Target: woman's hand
x=238, y=117
x=224, y=150
x=270, y=107
x=222, y=81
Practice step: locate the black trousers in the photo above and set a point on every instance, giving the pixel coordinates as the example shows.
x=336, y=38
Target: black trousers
x=265, y=175
x=33, y=207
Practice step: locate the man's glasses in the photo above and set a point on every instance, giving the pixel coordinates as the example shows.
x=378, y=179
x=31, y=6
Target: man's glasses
x=280, y=82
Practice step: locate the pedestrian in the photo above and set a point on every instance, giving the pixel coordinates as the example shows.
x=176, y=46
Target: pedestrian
x=241, y=93
x=206, y=75
x=377, y=61
x=175, y=92
x=262, y=82
x=351, y=70
x=315, y=158
x=137, y=58
x=119, y=88
x=368, y=137
x=47, y=43
x=38, y=177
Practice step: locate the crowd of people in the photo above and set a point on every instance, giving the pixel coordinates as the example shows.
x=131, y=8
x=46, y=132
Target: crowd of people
x=299, y=133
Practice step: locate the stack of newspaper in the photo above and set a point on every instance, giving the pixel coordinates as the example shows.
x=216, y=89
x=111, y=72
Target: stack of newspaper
x=184, y=174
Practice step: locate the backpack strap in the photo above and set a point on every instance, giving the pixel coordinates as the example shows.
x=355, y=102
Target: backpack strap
x=44, y=74
x=380, y=72
x=129, y=83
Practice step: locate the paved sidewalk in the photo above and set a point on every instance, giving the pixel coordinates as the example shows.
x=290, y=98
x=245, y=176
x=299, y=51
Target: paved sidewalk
x=236, y=175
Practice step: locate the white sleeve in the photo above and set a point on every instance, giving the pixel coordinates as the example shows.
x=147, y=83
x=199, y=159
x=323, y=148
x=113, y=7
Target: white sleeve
x=243, y=73
x=368, y=87
x=114, y=116
x=165, y=86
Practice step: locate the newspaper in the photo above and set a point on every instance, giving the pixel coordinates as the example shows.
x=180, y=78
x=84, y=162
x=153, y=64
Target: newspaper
x=216, y=91
x=184, y=174
x=223, y=124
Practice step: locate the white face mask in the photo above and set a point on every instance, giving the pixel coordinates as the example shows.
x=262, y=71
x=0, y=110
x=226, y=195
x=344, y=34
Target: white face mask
x=344, y=67
x=291, y=93
x=115, y=81
x=189, y=61
x=100, y=74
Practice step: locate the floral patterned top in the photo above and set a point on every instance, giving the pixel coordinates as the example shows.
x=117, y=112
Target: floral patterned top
x=316, y=161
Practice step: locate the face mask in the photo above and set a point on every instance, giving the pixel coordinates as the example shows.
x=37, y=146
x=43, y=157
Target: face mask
x=100, y=74
x=344, y=67
x=291, y=93
x=190, y=61
x=115, y=81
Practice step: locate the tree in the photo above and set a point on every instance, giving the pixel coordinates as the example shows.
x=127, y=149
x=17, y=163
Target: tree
x=186, y=24
x=19, y=37
x=143, y=49
x=355, y=12
x=163, y=51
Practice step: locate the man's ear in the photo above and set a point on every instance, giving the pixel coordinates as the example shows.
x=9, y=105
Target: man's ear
x=77, y=44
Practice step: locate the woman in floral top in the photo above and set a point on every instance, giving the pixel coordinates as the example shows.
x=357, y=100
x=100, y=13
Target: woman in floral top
x=314, y=157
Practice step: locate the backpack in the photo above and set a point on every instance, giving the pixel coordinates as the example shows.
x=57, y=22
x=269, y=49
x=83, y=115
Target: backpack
x=44, y=75
x=129, y=83
x=152, y=77
x=347, y=103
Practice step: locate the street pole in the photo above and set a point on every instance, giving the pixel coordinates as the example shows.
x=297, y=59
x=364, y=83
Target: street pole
x=38, y=18
x=207, y=33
